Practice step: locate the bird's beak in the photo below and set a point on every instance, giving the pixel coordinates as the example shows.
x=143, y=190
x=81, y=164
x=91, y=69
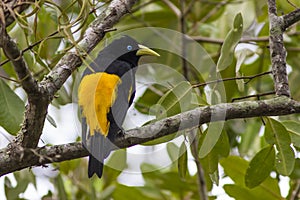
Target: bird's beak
x=143, y=51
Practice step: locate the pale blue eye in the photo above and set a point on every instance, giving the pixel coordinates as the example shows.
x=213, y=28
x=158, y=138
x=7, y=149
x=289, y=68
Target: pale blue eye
x=129, y=47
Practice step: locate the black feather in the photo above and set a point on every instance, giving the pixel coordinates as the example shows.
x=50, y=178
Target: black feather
x=114, y=59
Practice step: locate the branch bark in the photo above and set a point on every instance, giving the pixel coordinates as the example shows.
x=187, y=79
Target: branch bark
x=13, y=53
x=37, y=108
x=291, y=18
x=21, y=157
x=12, y=6
x=23, y=153
x=93, y=35
x=278, y=51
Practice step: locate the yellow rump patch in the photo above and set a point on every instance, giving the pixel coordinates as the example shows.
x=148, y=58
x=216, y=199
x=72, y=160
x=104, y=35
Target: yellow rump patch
x=96, y=94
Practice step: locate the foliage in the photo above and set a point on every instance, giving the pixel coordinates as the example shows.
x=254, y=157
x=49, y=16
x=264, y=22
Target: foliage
x=252, y=152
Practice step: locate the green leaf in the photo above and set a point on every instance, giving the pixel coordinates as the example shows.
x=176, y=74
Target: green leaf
x=211, y=160
x=51, y=120
x=293, y=128
x=230, y=42
x=214, y=177
x=59, y=184
x=67, y=166
x=168, y=181
x=149, y=98
x=63, y=97
x=238, y=192
x=172, y=150
x=260, y=167
x=276, y=133
x=11, y=109
x=182, y=161
x=23, y=178
x=211, y=138
x=163, y=139
x=250, y=140
x=296, y=172
x=115, y=165
x=128, y=193
x=223, y=147
x=285, y=161
x=236, y=167
x=175, y=101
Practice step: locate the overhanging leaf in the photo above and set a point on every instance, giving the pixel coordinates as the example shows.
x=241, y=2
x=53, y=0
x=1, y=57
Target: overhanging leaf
x=175, y=100
x=172, y=150
x=149, y=98
x=235, y=167
x=182, y=161
x=276, y=133
x=51, y=120
x=163, y=139
x=115, y=165
x=11, y=109
x=230, y=42
x=211, y=138
x=211, y=160
x=293, y=128
x=260, y=167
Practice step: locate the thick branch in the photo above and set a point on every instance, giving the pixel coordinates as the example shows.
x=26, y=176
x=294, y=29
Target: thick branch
x=20, y=158
x=291, y=18
x=13, y=53
x=37, y=109
x=278, y=52
x=56, y=78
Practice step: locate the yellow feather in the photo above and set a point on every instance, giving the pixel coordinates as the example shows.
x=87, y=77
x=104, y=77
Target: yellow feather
x=96, y=94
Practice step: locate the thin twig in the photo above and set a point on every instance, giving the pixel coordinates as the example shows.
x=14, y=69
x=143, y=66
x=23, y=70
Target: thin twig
x=31, y=46
x=137, y=8
x=183, y=40
x=221, y=41
x=9, y=79
x=172, y=7
x=200, y=173
x=292, y=4
x=231, y=79
x=253, y=95
x=11, y=51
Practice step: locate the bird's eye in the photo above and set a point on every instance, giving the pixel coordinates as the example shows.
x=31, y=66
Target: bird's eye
x=129, y=47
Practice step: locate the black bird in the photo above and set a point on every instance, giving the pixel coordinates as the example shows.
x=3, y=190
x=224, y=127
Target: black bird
x=105, y=93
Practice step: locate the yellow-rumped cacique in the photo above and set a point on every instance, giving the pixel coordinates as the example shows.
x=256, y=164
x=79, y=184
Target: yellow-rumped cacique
x=106, y=91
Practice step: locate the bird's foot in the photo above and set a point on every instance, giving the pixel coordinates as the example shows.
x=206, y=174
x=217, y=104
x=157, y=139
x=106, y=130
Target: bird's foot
x=121, y=132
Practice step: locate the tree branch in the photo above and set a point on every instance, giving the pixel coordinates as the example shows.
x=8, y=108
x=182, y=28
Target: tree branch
x=221, y=41
x=12, y=6
x=231, y=79
x=21, y=158
x=12, y=52
x=277, y=51
x=93, y=35
x=291, y=18
x=37, y=109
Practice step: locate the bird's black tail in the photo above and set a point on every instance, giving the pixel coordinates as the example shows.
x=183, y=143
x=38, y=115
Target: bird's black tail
x=95, y=167
x=99, y=149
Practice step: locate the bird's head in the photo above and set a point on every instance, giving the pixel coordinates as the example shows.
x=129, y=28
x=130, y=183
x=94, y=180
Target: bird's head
x=128, y=49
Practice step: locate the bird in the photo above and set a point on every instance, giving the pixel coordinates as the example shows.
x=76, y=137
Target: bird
x=106, y=91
